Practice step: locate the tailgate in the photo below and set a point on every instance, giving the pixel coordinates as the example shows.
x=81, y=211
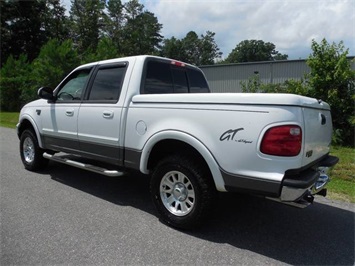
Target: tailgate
x=317, y=132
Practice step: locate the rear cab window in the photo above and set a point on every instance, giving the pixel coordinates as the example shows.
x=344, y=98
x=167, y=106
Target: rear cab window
x=166, y=76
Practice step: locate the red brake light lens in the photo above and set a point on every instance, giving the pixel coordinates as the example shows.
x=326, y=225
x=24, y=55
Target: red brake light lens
x=282, y=141
x=177, y=63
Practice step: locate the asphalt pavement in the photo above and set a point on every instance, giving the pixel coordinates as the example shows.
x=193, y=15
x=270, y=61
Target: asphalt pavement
x=69, y=216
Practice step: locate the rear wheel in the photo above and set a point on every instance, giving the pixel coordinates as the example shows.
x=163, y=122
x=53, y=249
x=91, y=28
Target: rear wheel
x=31, y=153
x=182, y=191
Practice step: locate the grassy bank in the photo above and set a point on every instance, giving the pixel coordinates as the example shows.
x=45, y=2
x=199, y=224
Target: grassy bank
x=8, y=119
x=341, y=187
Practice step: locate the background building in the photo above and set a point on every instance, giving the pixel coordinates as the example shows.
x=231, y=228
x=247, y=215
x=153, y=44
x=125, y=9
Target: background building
x=227, y=78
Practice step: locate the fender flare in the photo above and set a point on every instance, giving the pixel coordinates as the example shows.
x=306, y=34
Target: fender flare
x=34, y=125
x=188, y=139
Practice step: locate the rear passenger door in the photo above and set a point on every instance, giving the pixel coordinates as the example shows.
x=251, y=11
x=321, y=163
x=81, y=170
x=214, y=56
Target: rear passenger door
x=99, y=119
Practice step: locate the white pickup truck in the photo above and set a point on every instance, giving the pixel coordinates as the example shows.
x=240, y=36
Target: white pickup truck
x=157, y=116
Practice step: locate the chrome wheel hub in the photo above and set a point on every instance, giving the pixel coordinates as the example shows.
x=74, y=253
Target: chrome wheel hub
x=177, y=193
x=180, y=192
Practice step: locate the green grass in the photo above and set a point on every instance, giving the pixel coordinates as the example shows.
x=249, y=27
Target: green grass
x=342, y=185
x=8, y=119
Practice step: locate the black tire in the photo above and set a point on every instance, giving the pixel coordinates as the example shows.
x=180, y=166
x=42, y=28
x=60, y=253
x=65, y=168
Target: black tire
x=182, y=191
x=31, y=153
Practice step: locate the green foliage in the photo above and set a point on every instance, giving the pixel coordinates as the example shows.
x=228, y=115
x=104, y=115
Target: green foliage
x=141, y=31
x=27, y=25
x=86, y=17
x=172, y=48
x=332, y=80
x=209, y=51
x=192, y=49
x=55, y=61
x=20, y=80
x=21, y=24
x=253, y=51
x=105, y=50
x=114, y=23
x=55, y=22
x=253, y=85
x=15, y=76
x=343, y=174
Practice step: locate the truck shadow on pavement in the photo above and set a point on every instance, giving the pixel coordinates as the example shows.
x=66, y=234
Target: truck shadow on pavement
x=318, y=235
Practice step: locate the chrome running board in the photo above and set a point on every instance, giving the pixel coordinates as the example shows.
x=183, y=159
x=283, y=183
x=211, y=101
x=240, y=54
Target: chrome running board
x=84, y=166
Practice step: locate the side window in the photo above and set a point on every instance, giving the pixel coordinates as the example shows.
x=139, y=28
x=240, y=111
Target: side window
x=107, y=84
x=72, y=88
x=197, y=82
x=180, y=81
x=158, y=78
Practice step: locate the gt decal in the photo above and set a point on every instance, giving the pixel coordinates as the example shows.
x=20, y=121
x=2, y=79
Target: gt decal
x=230, y=134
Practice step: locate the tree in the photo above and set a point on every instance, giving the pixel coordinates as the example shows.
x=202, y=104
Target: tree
x=15, y=76
x=254, y=50
x=21, y=28
x=105, y=50
x=209, y=49
x=55, y=21
x=54, y=62
x=114, y=23
x=87, y=19
x=332, y=80
x=27, y=25
x=172, y=48
x=192, y=49
x=6, y=36
x=141, y=32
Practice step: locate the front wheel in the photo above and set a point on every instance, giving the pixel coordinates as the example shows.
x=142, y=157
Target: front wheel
x=31, y=153
x=182, y=191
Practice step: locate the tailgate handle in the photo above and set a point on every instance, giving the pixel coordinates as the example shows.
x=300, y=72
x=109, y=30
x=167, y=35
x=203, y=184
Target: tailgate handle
x=323, y=119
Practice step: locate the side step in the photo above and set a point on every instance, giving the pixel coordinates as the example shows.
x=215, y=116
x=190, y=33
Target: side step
x=89, y=167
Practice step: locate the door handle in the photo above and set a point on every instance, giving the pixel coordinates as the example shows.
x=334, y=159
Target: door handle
x=107, y=114
x=69, y=112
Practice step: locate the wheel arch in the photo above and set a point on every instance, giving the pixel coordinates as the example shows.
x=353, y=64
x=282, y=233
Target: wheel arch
x=174, y=142
x=27, y=122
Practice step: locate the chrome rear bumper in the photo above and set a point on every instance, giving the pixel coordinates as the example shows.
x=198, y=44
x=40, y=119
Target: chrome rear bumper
x=299, y=190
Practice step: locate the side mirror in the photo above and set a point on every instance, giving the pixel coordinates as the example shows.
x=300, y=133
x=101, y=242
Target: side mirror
x=46, y=93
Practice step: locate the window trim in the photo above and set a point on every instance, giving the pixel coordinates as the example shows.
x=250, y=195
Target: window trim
x=93, y=76
x=65, y=81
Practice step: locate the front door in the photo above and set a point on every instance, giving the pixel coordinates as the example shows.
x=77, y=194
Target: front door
x=60, y=118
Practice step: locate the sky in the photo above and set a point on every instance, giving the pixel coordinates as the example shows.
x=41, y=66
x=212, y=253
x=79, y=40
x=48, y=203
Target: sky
x=289, y=24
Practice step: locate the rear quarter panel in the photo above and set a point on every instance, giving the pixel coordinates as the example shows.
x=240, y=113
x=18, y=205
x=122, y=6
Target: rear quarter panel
x=232, y=133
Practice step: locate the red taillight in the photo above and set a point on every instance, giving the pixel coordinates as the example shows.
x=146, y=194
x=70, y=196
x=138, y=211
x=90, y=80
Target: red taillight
x=282, y=141
x=177, y=63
